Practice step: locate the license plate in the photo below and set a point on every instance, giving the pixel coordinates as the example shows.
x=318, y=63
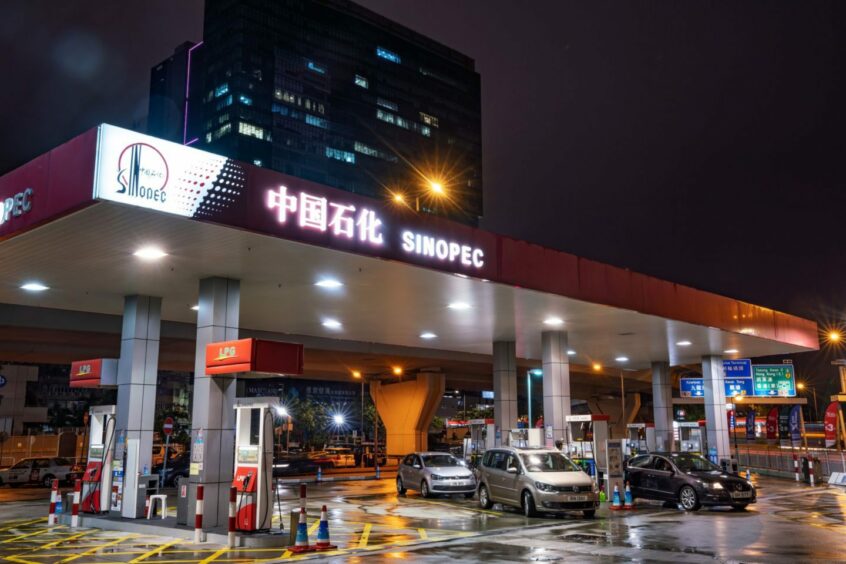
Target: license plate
x=578, y=498
x=741, y=495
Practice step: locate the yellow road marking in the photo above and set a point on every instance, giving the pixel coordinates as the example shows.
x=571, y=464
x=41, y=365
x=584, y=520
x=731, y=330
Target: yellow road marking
x=365, y=536
x=423, y=534
x=19, y=560
x=153, y=552
x=96, y=548
x=19, y=537
x=64, y=539
x=314, y=527
x=24, y=523
x=213, y=556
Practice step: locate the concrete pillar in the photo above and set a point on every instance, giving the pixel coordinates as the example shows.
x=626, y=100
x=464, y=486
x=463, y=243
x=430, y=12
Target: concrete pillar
x=662, y=406
x=213, y=410
x=505, y=386
x=556, y=383
x=716, y=421
x=406, y=409
x=138, y=371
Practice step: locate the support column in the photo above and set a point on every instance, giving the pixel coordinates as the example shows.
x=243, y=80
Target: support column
x=505, y=387
x=138, y=371
x=716, y=421
x=213, y=411
x=556, y=383
x=662, y=406
x=406, y=409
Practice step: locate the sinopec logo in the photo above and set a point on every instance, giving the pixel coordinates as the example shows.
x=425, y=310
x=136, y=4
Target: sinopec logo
x=142, y=173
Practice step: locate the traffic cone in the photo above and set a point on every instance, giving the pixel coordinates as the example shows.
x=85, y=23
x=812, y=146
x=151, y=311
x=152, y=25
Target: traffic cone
x=319, y=473
x=301, y=544
x=615, y=503
x=629, y=502
x=323, y=533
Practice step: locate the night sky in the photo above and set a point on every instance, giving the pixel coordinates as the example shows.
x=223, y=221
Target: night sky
x=702, y=143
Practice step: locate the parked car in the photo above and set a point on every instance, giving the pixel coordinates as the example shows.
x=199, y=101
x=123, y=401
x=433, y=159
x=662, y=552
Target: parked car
x=535, y=480
x=179, y=465
x=40, y=471
x=687, y=479
x=294, y=465
x=435, y=473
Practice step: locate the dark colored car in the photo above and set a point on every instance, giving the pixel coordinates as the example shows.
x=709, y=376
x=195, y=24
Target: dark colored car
x=687, y=479
x=294, y=465
x=177, y=466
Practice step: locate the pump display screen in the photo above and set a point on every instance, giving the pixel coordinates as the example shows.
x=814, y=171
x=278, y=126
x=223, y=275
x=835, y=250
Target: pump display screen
x=96, y=452
x=248, y=454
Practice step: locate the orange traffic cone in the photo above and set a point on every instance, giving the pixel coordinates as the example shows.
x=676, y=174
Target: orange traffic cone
x=629, y=502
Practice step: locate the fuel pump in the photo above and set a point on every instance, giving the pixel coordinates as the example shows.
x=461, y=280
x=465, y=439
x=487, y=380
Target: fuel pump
x=253, y=480
x=692, y=436
x=97, y=479
x=587, y=435
x=640, y=438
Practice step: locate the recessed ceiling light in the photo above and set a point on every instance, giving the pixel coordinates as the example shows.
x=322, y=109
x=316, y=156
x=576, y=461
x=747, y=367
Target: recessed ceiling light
x=150, y=253
x=427, y=335
x=459, y=306
x=34, y=287
x=332, y=324
x=731, y=351
x=571, y=353
x=684, y=343
x=622, y=359
x=553, y=321
x=196, y=307
x=330, y=283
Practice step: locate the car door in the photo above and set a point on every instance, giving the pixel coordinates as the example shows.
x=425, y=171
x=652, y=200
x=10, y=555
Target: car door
x=664, y=478
x=40, y=468
x=511, y=480
x=495, y=475
x=19, y=473
x=636, y=471
x=416, y=471
x=404, y=468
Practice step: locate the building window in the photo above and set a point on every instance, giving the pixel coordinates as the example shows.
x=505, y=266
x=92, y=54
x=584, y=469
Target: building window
x=250, y=130
x=383, y=53
x=246, y=100
x=316, y=121
x=428, y=120
x=337, y=154
x=386, y=104
x=361, y=81
x=218, y=133
x=221, y=90
x=257, y=162
x=319, y=69
x=425, y=130
x=223, y=102
x=371, y=152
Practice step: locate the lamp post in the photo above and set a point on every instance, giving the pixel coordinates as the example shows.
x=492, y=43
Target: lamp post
x=737, y=399
x=802, y=386
x=283, y=412
x=529, y=374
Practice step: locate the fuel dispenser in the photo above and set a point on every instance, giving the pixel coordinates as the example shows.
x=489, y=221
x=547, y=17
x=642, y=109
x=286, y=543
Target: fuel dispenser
x=692, y=436
x=97, y=479
x=482, y=433
x=640, y=438
x=586, y=436
x=253, y=480
x=526, y=438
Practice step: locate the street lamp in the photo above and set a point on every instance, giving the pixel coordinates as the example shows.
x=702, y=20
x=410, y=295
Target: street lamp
x=802, y=386
x=529, y=374
x=281, y=411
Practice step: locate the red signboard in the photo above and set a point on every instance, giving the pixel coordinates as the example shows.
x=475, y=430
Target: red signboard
x=254, y=356
x=830, y=424
x=772, y=424
x=94, y=373
x=167, y=427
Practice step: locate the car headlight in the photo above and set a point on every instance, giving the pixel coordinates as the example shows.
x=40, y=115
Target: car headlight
x=467, y=477
x=437, y=477
x=544, y=487
x=715, y=485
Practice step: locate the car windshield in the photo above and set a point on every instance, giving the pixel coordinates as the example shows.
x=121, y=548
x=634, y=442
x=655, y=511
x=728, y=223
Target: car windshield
x=440, y=460
x=693, y=463
x=548, y=462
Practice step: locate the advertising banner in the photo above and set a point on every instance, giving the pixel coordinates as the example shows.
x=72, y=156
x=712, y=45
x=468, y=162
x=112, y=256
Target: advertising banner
x=772, y=424
x=784, y=422
x=750, y=424
x=795, y=425
x=830, y=424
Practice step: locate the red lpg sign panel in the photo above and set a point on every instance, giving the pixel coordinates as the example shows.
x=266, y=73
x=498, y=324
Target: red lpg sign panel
x=254, y=355
x=143, y=171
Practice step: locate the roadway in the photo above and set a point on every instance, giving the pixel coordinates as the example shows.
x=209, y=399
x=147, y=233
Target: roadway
x=369, y=522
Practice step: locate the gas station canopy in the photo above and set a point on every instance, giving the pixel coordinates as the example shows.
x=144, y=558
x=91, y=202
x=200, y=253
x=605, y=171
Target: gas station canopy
x=320, y=262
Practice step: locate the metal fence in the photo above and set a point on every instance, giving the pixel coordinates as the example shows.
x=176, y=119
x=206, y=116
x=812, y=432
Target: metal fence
x=780, y=459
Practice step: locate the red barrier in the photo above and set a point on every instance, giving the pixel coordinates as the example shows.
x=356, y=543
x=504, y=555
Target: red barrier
x=233, y=495
x=198, y=517
x=54, y=497
x=77, y=492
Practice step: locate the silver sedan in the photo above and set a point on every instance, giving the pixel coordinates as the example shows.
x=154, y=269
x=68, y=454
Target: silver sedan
x=435, y=473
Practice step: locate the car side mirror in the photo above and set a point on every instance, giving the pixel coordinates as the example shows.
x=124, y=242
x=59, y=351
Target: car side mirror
x=417, y=466
x=511, y=470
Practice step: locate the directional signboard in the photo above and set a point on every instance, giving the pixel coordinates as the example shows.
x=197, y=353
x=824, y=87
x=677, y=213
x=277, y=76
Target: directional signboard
x=691, y=388
x=738, y=368
x=774, y=380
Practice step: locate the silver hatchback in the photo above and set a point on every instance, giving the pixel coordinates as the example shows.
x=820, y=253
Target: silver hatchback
x=535, y=480
x=435, y=473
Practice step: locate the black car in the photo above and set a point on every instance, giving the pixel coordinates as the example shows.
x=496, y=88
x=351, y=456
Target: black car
x=177, y=466
x=687, y=479
x=294, y=466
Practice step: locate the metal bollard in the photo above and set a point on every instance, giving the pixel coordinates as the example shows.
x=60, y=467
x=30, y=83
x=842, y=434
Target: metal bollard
x=233, y=494
x=77, y=490
x=796, y=467
x=811, y=470
x=54, y=495
x=198, y=517
x=302, y=498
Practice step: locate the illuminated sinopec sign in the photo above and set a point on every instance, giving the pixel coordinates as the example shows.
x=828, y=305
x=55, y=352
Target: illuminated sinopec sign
x=442, y=249
x=17, y=205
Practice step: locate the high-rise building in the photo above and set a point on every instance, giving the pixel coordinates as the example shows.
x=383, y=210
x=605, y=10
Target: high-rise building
x=331, y=92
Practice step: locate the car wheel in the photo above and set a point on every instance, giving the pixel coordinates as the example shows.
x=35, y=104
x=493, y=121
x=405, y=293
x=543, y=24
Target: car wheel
x=400, y=488
x=484, y=500
x=589, y=513
x=48, y=481
x=739, y=506
x=529, y=509
x=688, y=499
x=424, y=489
x=469, y=495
